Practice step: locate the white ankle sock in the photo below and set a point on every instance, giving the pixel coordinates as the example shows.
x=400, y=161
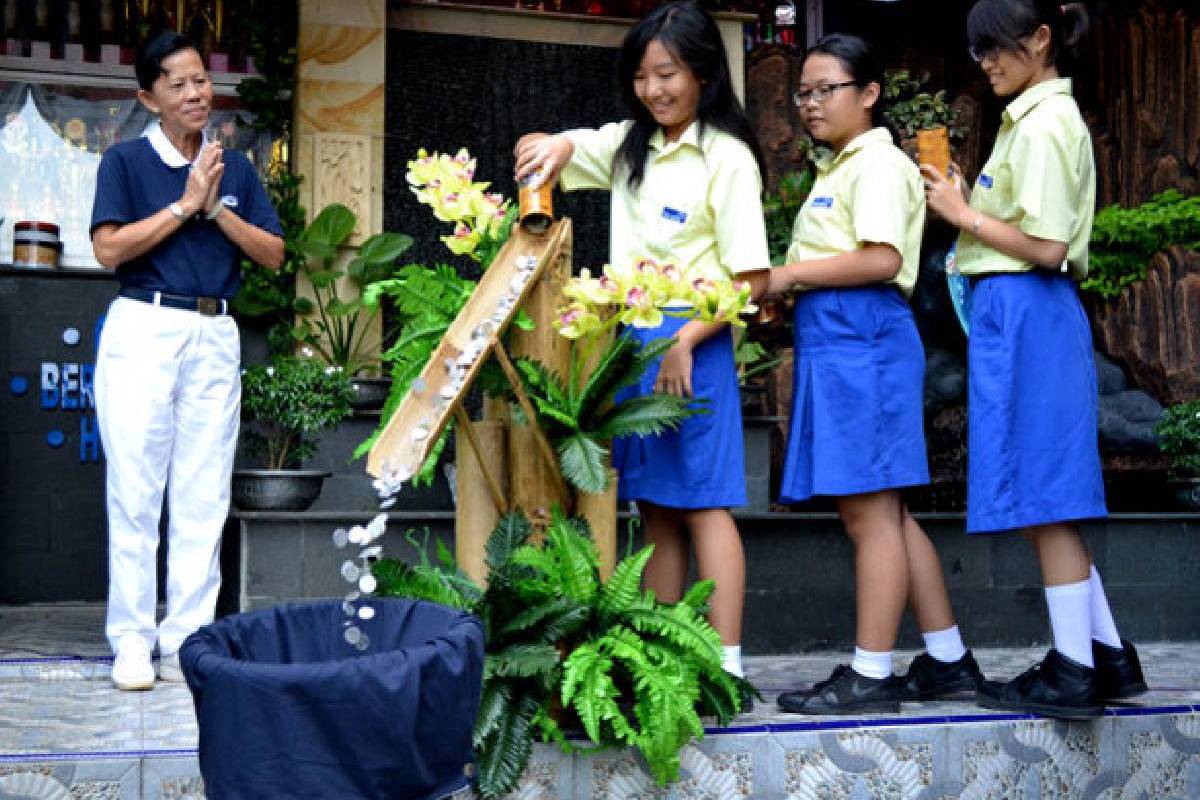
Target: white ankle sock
x=872, y=665
x=1104, y=627
x=946, y=645
x=731, y=659
x=1070, y=608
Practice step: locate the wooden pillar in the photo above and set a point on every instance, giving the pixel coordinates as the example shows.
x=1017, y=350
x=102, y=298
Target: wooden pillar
x=533, y=484
x=477, y=515
x=600, y=511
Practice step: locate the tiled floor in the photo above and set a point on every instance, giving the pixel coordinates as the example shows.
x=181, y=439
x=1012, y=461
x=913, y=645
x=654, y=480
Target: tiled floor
x=61, y=719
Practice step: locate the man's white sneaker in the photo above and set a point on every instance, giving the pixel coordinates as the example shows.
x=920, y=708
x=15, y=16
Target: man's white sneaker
x=132, y=669
x=169, y=669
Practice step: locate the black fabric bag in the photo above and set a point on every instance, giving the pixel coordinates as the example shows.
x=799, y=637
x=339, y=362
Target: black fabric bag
x=287, y=709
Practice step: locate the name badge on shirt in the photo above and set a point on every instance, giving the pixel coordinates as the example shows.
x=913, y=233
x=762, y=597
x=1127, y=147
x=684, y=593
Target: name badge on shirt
x=985, y=180
x=824, y=201
x=674, y=215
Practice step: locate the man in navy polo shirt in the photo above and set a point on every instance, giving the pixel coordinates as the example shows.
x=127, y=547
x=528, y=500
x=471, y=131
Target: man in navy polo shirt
x=173, y=215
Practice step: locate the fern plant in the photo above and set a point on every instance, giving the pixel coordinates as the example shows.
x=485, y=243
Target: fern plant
x=569, y=652
x=580, y=416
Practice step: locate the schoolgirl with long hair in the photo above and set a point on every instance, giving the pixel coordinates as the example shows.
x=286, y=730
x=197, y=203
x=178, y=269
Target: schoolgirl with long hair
x=684, y=172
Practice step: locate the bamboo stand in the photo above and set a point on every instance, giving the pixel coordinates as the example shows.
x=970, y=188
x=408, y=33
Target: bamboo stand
x=501, y=465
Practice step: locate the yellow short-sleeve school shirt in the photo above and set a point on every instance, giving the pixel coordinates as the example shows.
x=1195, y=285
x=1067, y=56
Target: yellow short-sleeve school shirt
x=1040, y=176
x=699, y=204
x=870, y=191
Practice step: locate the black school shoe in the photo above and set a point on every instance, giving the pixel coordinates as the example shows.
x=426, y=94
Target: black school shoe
x=845, y=692
x=1057, y=687
x=930, y=679
x=1118, y=672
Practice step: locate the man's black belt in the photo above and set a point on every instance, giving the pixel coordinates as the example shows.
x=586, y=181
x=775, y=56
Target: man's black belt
x=208, y=306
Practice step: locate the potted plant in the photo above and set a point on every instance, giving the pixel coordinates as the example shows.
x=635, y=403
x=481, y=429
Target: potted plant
x=567, y=651
x=283, y=404
x=909, y=108
x=335, y=322
x=1179, y=438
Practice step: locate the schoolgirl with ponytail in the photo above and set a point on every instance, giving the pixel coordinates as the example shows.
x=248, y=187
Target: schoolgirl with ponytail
x=1033, y=458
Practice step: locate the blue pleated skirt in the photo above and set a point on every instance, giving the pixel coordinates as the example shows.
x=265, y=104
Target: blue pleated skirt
x=1033, y=452
x=700, y=465
x=857, y=395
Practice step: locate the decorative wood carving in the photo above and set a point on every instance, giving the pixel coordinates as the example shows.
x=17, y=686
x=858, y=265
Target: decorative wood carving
x=342, y=166
x=1153, y=328
x=1141, y=85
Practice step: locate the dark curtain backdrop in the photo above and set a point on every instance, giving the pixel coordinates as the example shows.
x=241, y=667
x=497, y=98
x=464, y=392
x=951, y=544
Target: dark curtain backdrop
x=448, y=91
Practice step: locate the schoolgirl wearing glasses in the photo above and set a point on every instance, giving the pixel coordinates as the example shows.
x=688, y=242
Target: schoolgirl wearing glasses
x=857, y=432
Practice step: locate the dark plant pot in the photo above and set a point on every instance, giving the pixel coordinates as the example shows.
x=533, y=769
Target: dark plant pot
x=1187, y=493
x=370, y=393
x=276, y=489
x=756, y=444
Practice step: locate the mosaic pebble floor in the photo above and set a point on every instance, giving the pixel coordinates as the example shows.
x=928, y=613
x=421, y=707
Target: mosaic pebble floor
x=66, y=733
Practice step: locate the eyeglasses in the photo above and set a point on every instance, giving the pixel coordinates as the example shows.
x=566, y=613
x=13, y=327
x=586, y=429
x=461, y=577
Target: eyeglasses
x=980, y=54
x=820, y=93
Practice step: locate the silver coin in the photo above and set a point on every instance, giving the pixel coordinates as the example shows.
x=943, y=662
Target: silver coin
x=366, y=612
x=351, y=571
x=363, y=642
x=341, y=537
x=367, y=584
x=352, y=635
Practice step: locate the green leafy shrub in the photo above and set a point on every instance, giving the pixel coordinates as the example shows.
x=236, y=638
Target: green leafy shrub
x=909, y=107
x=780, y=208
x=271, y=294
x=566, y=650
x=1124, y=239
x=337, y=324
x=287, y=401
x=1179, y=437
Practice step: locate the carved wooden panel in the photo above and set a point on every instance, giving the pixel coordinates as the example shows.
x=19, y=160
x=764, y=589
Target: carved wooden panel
x=341, y=174
x=1153, y=328
x=1141, y=85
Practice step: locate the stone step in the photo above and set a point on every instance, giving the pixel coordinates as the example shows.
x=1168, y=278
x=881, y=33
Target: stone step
x=66, y=732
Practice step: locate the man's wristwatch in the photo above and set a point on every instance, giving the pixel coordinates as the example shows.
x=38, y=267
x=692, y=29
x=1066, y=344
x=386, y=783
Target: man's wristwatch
x=177, y=210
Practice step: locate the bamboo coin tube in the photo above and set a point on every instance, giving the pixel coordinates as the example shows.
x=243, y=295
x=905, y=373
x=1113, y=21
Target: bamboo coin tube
x=933, y=148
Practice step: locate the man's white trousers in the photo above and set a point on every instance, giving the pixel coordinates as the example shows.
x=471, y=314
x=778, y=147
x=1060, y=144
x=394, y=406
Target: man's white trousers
x=168, y=392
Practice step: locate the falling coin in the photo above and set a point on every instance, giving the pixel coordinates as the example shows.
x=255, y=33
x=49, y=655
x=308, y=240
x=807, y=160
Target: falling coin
x=341, y=537
x=363, y=642
x=352, y=635
x=351, y=571
x=367, y=584
x=366, y=612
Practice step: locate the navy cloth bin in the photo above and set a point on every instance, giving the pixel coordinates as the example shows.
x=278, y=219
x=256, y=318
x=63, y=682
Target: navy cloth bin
x=287, y=709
